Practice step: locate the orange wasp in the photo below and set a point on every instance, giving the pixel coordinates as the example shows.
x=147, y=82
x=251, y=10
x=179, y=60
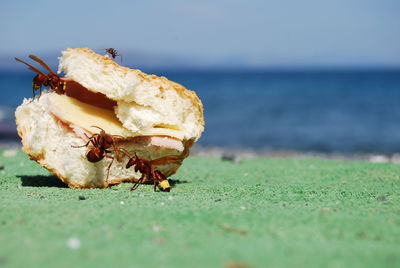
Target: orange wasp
x=51, y=80
x=101, y=143
x=145, y=167
x=114, y=53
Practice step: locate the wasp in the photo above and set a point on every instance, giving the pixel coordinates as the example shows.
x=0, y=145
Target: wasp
x=114, y=53
x=145, y=167
x=102, y=143
x=51, y=80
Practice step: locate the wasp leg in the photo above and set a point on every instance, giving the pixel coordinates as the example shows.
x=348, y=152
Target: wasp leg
x=33, y=92
x=136, y=185
x=117, y=151
x=109, y=166
x=85, y=145
x=91, y=139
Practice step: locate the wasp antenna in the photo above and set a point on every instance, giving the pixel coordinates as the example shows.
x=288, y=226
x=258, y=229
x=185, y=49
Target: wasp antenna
x=97, y=127
x=30, y=66
x=126, y=152
x=41, y=62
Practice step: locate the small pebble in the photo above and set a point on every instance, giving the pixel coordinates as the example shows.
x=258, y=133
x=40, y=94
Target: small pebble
x=231, y=157
x=170, y=198
x=10, y=153
x=73, y=243
x=81, y=197
x=162, y=204
x=381, y=198
x=122, y=203
x=242, y=207
x=141, y=195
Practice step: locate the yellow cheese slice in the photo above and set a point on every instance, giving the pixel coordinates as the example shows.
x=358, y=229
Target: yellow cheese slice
x=156, y=131
x=85, y=116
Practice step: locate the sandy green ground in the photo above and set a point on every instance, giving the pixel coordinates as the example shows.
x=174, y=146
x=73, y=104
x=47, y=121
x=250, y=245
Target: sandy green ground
x=258, y=213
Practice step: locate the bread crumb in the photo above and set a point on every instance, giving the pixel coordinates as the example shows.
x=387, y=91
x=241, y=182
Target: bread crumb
x=156, y=228
x=73, y=243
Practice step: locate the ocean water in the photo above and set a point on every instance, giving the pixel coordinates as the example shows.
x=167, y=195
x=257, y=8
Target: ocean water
x=331, y=111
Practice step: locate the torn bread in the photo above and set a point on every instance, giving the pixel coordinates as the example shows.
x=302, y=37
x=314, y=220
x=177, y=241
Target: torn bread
x=143, y=101
x=153, y=116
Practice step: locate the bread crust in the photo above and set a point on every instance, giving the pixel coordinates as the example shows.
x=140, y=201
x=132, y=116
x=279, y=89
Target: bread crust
x=167, y=168
x=39, y=158
x=159, y=81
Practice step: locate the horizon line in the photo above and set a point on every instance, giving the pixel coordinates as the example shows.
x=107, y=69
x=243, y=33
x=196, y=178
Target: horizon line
x=246, y=69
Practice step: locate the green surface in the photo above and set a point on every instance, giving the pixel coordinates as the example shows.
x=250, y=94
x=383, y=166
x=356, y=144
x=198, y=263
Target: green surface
x=260, y=212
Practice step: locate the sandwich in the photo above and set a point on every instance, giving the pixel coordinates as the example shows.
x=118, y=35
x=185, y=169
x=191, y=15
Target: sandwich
x=146, y=116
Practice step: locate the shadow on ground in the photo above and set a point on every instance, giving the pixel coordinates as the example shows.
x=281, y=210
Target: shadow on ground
x=175, y=182
x=53, y=181
x=41, y=181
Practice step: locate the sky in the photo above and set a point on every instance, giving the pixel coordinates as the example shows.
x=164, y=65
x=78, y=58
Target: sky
x=251, y=33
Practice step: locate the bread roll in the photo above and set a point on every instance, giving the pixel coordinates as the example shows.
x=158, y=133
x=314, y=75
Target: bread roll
x=153, y=116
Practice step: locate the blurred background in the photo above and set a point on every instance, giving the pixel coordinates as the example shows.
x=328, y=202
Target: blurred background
x=306, y=76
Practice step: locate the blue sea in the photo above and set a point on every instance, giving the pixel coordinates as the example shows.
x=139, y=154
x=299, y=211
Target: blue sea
x=328, y=111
